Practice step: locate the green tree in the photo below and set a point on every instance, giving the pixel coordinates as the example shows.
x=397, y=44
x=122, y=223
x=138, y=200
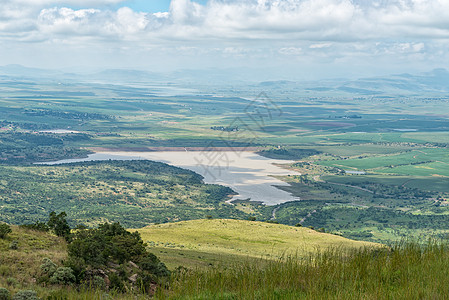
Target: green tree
x=59, y=225
x=110, y=242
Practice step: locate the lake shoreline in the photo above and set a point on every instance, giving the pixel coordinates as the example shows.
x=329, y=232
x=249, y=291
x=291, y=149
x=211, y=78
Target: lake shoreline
x=249, y=174
x=173, y=149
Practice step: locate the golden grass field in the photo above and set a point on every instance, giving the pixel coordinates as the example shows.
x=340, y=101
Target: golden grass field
x=218, y=241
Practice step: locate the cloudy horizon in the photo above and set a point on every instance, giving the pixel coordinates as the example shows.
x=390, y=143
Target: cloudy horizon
x=316, y=38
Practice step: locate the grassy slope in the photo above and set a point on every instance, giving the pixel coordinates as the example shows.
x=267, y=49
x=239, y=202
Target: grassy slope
x=191, y=243
x=19, y=268
x=409, y=271
x=405, y=271
x=205, y=243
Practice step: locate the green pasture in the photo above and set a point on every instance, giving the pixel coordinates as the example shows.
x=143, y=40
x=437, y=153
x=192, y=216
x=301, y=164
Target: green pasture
x=410, y=157
x=440, y=168
x=364, y=149
x=438, y=184
x=430, y=137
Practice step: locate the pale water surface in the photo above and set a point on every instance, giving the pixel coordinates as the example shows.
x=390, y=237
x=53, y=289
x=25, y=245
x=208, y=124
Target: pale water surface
x=59, y=131
x=247, y=173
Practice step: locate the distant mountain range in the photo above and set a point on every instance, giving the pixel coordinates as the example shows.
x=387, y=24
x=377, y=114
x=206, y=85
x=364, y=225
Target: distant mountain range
x=107, y=76
x=433, y=82
x=436, y=81
x=21, y=71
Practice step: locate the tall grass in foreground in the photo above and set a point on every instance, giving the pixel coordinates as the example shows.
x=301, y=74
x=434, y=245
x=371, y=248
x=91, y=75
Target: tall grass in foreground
x=404, y=271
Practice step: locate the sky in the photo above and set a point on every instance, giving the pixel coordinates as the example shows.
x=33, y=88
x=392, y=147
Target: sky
x=290, y=38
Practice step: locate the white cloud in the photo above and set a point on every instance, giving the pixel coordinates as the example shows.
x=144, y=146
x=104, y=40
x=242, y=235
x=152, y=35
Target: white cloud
x=322, y=21
x=123, y=23
x=65, y=2
x=66, y=20
x=319, y=29
x=320, y=45
x=291, y=51
x=186, y=12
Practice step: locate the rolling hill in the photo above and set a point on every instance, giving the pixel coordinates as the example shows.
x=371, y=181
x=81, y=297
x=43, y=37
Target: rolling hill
x=219, y=241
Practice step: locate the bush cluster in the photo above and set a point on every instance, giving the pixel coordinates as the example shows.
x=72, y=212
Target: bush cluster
x=21, y=295
x=56, y=275
x=63, y=275
x=5, y=229
x=4, y=294
x=114, y=258
x=26, y=295
x=14, y=245
x=108, y=257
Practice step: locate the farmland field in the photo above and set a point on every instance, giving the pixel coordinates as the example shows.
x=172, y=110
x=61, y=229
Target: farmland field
x=438, y=168
x=411, y=157
x=438, y=184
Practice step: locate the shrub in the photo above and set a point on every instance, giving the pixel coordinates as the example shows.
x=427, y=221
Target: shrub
x=153, y=265
x=272, y=221
x=78, y=267
x=5, y=229
x=116, y=283
x=11, y=281
x=14, y=245
x=26, y=295
x=112, y=245
x=48, y=267
x=110, y=242
x=98, y=283
x=63, y=275
x=4, y=294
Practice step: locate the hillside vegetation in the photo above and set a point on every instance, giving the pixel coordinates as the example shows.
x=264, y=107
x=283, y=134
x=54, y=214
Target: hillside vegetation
x=20, y=268
x=134, y=193
x=18, y=147
x=221, y=242
x=343, y=269
x=98, y=262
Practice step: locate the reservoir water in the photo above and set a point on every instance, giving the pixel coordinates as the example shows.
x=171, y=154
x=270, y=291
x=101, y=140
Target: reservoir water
x=247, y=173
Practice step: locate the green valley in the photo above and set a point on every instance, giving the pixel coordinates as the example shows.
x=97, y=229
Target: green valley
x=364, y=171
